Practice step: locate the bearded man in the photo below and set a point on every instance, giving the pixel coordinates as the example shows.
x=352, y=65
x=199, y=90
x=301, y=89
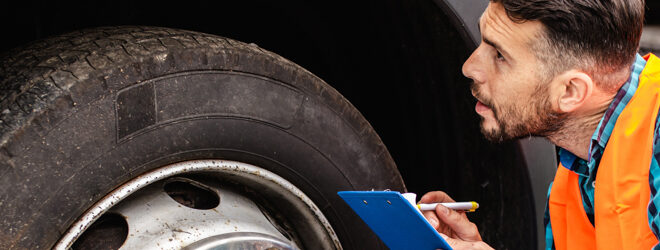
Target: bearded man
x=568, y=70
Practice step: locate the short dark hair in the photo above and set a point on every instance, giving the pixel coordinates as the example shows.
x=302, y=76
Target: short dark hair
x=598, y=36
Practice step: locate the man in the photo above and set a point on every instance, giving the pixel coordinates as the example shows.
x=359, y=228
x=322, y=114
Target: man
x=568, y=70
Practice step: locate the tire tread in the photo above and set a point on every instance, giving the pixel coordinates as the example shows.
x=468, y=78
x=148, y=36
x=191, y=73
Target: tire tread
x=56, y=64
x=30, y=84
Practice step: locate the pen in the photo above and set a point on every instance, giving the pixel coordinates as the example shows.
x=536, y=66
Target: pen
x=469, y=206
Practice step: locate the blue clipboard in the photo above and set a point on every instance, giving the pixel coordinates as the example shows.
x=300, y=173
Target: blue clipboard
x=398, y=223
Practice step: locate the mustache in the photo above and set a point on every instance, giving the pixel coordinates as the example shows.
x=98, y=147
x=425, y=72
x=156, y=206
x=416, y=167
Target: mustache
x=479, y=96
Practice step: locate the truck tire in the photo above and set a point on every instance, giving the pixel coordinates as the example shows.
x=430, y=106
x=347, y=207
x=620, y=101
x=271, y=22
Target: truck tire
x=650, y=40
x=85, y=112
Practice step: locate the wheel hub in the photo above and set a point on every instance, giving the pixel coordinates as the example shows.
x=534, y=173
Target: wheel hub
x=191, y=205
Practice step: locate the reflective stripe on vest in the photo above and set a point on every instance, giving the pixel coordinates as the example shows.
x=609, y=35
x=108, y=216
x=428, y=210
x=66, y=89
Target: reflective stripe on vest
x=622, y=191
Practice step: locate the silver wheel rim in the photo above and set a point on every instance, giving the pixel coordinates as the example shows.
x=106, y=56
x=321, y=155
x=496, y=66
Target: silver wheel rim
x=128, y=201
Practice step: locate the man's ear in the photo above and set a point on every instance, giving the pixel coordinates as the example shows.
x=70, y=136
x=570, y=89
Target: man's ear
x=575, y=87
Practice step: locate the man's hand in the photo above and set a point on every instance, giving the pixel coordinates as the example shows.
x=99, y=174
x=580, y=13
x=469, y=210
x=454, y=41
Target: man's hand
x=452, y=225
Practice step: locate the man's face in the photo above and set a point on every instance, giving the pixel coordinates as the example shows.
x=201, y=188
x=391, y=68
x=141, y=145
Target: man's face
x=512, y=99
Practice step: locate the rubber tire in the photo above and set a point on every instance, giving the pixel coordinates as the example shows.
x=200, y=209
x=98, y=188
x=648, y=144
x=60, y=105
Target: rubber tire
x=87, y=111
x=650, y=40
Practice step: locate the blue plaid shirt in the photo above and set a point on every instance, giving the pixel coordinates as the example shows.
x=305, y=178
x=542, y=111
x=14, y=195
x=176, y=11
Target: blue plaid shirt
x=586, y=169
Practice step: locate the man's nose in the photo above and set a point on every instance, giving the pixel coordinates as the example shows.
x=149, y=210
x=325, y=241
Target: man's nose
x=472, y=67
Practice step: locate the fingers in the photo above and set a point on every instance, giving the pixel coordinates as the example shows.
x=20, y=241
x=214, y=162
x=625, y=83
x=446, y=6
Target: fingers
x=432, y=197
x=458, y=222
x=461, y=244
x=432, y=218
x=449, y=221
x=436, y=196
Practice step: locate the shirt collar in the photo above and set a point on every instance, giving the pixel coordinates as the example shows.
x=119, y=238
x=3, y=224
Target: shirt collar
x=606, y=125
x=623, y=96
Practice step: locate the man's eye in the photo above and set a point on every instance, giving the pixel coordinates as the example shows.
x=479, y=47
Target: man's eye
x=499, y=56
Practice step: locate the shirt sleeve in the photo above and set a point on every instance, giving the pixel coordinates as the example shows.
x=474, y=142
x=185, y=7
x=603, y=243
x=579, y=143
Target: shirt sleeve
x=654, y=183
x=654, y=204
x=549, y=240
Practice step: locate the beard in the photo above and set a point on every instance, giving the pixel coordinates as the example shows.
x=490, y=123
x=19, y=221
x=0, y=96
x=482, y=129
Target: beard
x=517, y=120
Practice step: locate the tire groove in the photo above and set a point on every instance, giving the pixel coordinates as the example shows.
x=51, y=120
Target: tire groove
x=56, y=84
x=125, y=50
x=90, y=63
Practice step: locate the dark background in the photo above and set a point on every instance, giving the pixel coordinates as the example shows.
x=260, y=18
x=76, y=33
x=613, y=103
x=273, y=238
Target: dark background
x=652, y=12
x=398, y=62
x=27, y=21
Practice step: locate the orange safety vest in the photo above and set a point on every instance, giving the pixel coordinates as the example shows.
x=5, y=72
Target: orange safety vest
x=622, y=191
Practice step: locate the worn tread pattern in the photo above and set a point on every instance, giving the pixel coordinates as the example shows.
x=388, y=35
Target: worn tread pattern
x=34, y=76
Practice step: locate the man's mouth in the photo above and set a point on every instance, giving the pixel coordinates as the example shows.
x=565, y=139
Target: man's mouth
x=481, y=108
